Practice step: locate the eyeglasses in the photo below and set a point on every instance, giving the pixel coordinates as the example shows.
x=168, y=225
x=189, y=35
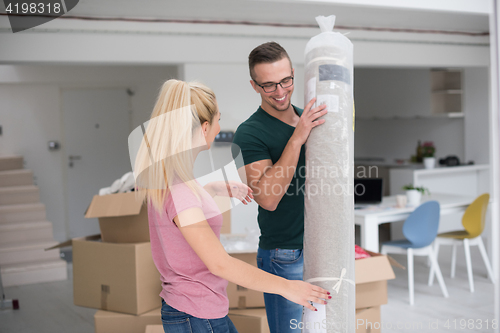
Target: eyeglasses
x=271, y=87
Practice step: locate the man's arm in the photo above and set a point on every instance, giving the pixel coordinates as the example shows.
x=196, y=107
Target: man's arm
x=270, y=182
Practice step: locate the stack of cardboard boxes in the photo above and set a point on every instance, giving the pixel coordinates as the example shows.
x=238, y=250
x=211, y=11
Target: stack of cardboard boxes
x=371, y=290
x=114, y=271
x=247, y=311
x=247, y=306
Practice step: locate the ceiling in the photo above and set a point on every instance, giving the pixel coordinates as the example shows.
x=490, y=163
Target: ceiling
x=283, y=12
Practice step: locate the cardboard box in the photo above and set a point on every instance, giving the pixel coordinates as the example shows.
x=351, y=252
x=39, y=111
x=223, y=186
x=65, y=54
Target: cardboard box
x=368, y=320
x=155, y=329
x=111, y=322
x=250, y=320
x=122, y=217
x=241, y=297
x=224, y=204
x=371, y=280
x=255, y=320
x=114, y=277
x=371, y=283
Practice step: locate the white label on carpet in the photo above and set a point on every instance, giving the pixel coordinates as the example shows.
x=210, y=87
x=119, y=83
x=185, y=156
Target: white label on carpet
x=311, y=91
x=331, y=101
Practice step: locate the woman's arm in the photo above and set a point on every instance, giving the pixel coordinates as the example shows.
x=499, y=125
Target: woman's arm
x=207, y=246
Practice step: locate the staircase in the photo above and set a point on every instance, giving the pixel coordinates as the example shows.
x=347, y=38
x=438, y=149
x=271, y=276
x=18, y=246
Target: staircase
x=24, y=230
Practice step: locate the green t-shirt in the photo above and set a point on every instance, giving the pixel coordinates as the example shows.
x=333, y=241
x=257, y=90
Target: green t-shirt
x=263, y=137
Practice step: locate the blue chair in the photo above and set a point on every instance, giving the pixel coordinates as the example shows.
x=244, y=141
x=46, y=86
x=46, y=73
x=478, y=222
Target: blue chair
x=420, y=230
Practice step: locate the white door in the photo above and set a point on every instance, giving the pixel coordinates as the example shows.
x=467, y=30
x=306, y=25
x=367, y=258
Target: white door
x=96, y=128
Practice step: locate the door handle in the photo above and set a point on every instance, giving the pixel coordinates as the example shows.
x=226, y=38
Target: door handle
x=73, y=158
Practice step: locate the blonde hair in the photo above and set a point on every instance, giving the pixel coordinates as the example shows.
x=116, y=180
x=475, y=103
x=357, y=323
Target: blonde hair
x=165, y=155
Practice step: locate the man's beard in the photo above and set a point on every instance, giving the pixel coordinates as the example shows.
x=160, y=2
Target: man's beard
x=284, y=108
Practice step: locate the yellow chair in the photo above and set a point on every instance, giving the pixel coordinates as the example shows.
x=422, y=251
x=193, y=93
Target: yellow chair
x=473, y=221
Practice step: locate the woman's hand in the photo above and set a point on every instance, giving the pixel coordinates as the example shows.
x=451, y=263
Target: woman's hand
x=233, y=189
x=301, y=292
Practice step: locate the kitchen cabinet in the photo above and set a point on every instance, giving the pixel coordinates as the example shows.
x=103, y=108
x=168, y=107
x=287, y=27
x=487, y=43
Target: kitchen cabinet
x=446, y=92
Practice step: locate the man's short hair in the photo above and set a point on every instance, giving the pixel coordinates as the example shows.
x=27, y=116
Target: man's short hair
x=266, y=53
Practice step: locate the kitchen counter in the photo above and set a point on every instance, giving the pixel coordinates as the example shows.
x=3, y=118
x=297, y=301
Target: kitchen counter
x=452, y=169
x=381, y=162
x=459, y=180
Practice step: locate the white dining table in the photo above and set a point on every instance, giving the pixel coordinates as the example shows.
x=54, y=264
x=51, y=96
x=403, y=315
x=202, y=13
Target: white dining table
x=372, y=216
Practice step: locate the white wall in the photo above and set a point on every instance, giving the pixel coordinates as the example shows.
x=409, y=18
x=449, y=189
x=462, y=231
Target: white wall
x=77, y=41
x=143, y=81
x=387, y=92
x=231, y=83
x=476, y=109
x=397, y=139
x=405, y=93
x=31, y=116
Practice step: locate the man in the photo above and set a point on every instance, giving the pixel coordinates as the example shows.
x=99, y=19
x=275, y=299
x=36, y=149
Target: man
x=272, y=144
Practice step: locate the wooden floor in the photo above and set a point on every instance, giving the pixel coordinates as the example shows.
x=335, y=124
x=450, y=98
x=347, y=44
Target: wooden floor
x=48, y=307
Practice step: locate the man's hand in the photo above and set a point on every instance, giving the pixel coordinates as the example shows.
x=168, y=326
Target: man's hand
x=308, y=121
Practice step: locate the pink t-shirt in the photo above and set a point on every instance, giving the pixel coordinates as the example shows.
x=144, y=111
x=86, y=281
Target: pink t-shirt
x=188, y=285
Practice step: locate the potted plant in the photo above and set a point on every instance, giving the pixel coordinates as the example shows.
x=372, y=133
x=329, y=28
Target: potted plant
x=414, y=194
x=428, y=151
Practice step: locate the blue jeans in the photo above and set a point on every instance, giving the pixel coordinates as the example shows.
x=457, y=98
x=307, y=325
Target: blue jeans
x=175, y=321
x=288, y=264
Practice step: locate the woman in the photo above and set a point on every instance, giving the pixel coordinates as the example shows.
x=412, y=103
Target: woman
x=185, y=221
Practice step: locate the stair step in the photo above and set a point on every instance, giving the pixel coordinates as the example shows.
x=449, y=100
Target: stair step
x=34, y=272
x=22, y=252
x=19, y=195
x=25, y=231
x=16, y=177
x=11, y=162
x=22, y=213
